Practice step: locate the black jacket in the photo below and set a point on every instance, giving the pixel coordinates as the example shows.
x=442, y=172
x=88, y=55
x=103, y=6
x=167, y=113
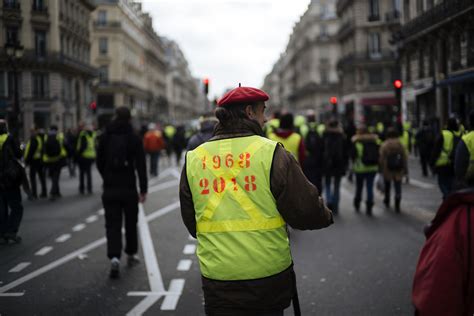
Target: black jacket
x=334, y=141
x=122, y=183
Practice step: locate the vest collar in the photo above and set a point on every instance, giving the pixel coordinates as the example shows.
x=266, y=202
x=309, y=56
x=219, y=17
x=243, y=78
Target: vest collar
x=237, y=128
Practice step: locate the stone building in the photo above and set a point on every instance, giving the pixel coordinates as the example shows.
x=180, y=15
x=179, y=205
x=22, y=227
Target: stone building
x=53, y=68
x=368, y=66
x=436, y=45
x=305, y=76
x=130, y=58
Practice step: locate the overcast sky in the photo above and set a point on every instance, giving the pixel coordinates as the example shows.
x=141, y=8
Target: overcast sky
x=228, y=41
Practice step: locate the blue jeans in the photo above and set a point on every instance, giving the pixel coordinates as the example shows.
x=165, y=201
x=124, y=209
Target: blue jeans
x=368, y=178
x=332, y=194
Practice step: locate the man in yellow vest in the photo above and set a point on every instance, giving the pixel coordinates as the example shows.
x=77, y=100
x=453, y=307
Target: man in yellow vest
x=291, y=141
x=464, y=161
x=442, y=158
x=11, y=207
x=33, y=158
x=54, y=158
x=86, y=154
x=238, y=192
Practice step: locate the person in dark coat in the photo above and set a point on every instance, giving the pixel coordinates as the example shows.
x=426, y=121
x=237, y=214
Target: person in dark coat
x=119, y=155
x=296, y=200
x=425, y=139
x=204, y=134
x=179, y=143
x=336, y=157
x=11, y=207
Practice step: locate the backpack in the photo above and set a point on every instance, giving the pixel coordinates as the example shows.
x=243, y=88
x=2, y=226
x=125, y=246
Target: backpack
x=452, y=154
x=395, y=162
x=52, y=147
x=313, y=142
x=333, y=155
x=153, y=142
x=117, y=152
x=370, y=153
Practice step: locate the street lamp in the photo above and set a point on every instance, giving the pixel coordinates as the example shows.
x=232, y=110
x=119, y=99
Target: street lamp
x=14, y=53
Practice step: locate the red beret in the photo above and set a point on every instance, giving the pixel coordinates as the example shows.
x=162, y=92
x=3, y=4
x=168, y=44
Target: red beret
x=243, y=95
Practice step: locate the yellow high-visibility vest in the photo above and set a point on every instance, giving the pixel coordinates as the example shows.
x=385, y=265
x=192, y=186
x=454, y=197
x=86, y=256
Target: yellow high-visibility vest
x=291, y=143
x=89, y=152
x=469, y=141
x=38, y=150
x=3, y=139
x=448, y=143
x=241, y=235
x=62, y=154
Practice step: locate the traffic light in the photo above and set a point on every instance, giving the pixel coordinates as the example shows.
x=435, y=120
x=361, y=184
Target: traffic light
x=333, y=100
x=398, y=85
x=205, y=81
x=93, y=107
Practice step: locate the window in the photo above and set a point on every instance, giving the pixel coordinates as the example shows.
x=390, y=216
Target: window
x=373, y=10
x=375, y=76
x=406, y=10
x=103, y=47
x=431, y=65
x=38, y=5
x=408, y=67
x=421, y=64
x=11, y=4
x=470, y=47
x=419, y=7
x=40, y=85
x=324, y=76
x=102, y=17
x=429, y=4
x=397, y=5
x=323, y=31
x=12, y=35
x=40, y=43
x=103, y=74
x=324, y=10
x=374, y=45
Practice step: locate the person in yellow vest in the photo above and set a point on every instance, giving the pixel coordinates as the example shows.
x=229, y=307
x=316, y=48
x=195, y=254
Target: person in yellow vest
x=405, y=136
x=442, y=157
x=273, y=123
x=291, y=141
x=464, y=159
x=365, y=157
x=86, y=154
x=169, y=132
x=54, y=158
x=238, y=192
x=11, y=207
x=33, y=158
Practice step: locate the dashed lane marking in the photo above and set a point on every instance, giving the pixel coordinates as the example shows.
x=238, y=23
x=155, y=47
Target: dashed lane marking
x=92, y=219
x=19, y=267
x=189, y=249
x=162, y=186
x=63, y=238
x=101, y=212
x=43, y=251
x=171, y=300
x=421, y=184
x=78, y=227
x=184, y=265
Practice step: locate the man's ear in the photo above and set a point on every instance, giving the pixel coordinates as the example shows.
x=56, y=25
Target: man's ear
x=249, y=111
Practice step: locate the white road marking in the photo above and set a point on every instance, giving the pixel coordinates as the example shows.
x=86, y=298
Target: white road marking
x=171, y=300
x=162, y=186
x=92, y=219
x=189, y=249
x=101, y=212
x=12, y=294
x=176, y=174
x=191, y=238
x=184, y=265
x=63, y=238
x=78, y=227
x=43, y=251
x=19, y=267
x=73, y=255
x=421, y=184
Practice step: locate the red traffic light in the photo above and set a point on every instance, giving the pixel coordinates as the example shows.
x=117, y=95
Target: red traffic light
x=333, y=100
x=398, y=84
x=93, y=105
x=205, y=81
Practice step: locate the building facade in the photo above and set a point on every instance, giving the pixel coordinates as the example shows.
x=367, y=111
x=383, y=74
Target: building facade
x=368, y=64
x=305, y=76
x=186, y=99
x=436, y=44
x=130, y=58
x=54, y=74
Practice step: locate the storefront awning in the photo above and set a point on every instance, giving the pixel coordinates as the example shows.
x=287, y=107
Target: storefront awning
x=379, y=101
x=467, y=77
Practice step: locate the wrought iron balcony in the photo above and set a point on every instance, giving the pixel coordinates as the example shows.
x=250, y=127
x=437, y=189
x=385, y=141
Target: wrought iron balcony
x=393, y=16
x=436, y=16
x=107, y=23
x=346, y=29
x=383, y=56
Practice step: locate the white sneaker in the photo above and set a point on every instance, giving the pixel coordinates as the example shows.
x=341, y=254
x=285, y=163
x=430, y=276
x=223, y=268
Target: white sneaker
x=133, y=260
x=114, y=268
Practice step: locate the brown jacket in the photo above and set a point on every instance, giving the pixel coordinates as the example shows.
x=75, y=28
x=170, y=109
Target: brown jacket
x=392, y=146
x=299, y=204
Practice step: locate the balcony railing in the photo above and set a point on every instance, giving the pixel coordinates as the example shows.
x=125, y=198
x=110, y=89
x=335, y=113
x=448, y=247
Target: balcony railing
x=392, y=16
x=345, y=30
x=367, y=57
x=435, y=16
x=107, y=23
x=373, y=18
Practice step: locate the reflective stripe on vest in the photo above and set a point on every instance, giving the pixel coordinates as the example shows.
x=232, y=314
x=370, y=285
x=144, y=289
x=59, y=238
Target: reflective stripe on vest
x=241, y=235
x=469, y=141
x=38, y=150
x=3, y=139
x=444, y=159
x=359, y=166
x=89, y=152
x=291, y=143
x=405, y=140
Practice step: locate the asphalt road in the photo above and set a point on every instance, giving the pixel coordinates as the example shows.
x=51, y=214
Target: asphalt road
x=358, y=266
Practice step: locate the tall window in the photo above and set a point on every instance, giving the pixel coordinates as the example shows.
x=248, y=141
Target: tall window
x=40, y=85
x=324, y=76
x=103, y=45
x=103, y=74
x=419, y=7
x=374, y=45
x=323, y=30
x=408, y=67
x=375, y=76
x=429, y=4
x=40, y=43
x=397, y=5
x=3, y=84
x=406, y=10
x=373, y=10
x=38, y=5
x=12, y=35
x=11, y=4
x=102, y=17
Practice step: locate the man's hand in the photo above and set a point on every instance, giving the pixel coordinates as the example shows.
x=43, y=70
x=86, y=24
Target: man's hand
x=142, y=198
